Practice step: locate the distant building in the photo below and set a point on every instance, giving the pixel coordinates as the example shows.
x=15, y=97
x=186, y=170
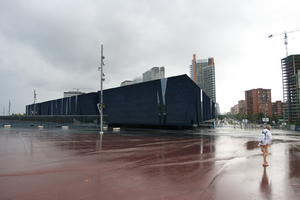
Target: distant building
x=137, y=80
x=72, y=93
x=154, y=74
x=130, y=82
x=242, y=107
x=202, y=72
x=277, y=109
x=127, y=82
x=239, y=108
x=150, y=75
x=258, y=101
x=218, y=112
x=234, y=110
x=290, y=66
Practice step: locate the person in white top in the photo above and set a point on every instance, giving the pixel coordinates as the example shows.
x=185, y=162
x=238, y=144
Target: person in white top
x=265, y=140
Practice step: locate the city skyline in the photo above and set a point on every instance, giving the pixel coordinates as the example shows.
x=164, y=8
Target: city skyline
x=54, y=46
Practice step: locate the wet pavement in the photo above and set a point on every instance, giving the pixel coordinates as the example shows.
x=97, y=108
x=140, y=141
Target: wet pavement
x=222, y=163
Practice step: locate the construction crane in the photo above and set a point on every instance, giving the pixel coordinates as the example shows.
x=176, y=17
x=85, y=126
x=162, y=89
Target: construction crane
x=285, y=39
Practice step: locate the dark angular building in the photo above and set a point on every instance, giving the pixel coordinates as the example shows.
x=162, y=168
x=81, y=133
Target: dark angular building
x=169, y=102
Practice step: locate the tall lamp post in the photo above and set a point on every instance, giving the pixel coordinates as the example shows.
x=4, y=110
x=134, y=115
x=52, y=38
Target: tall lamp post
x=100, y=106
x=34, y=102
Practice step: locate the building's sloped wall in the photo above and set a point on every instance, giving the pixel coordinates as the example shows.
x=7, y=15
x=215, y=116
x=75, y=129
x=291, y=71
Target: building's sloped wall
x=182, y=102
x=134, y=104
x=76, y=105
x=208, y=107
x=87, y=104
x=175, y=101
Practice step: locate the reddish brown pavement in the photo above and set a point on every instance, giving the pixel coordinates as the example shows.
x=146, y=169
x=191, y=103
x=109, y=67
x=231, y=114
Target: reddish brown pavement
x=222, y=163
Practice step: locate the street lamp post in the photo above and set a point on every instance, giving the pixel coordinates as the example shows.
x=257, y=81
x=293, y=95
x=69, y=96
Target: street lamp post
x=34, y=102
x=101, y=91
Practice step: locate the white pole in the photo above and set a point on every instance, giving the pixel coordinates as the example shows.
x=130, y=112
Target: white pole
x=9, y=105
x=101, y=91
x=34, y=102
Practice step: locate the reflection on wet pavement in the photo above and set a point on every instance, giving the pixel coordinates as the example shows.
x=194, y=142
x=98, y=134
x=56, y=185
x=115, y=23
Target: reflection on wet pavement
x=221, y=163
x=265, y=186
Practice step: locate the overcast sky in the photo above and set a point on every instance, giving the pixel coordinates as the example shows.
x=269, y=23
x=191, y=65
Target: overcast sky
x=53, y=46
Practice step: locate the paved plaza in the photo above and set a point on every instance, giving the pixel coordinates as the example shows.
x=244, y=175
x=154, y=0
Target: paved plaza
x=221, y=163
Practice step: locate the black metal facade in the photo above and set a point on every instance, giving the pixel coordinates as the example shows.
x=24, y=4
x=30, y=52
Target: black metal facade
x=174, y=101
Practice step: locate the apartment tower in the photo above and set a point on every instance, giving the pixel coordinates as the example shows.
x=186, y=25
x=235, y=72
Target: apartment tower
x=202, y=72
x=258, y=101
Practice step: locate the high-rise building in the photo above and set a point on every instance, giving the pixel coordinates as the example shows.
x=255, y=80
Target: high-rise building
x=203, y=74
x=259, y=101
x=154, y=73
x=290, y=67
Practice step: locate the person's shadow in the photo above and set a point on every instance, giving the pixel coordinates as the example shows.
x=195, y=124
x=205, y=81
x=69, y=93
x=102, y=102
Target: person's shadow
x=265, y=185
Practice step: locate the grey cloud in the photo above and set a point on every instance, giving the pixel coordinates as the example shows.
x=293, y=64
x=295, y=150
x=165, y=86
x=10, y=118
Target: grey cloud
x=54, y=45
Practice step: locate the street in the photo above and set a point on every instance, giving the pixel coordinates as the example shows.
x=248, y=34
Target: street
x=221, y=163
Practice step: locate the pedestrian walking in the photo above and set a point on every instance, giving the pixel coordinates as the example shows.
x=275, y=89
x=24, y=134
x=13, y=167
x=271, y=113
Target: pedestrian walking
x=265, y=141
